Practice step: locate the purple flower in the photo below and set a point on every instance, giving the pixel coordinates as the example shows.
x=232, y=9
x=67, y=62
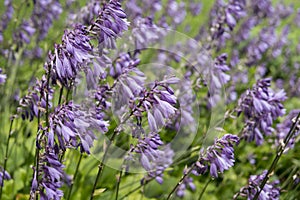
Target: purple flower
x=43, y=15
x=4, y=175
x=283, y=129
x=218, y=157
x=110, y=24
x=221, y=154
x=187, y=183
x=176, y=11
x=146, y=32
x=87, y=13
x=69, y=56
x=6, y=17
x=35, y=101
x=74, y=126
x=261, y=106
x=218, y=78
x=270, y=190
x=148, y=149
x=52, y=177
x=2, y=77
x=163, y=159
x=24, y=32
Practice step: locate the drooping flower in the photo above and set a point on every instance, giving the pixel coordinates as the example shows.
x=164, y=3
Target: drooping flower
x=283, y=129
x=43, y=15
x=35, y=102
x=220, y=155
x=261, y=106
x=52, y=177
x=270, y=190
x=110, y=24
x=69, y=56
x=148, y=149
x=24, y=32
x=6, y=17
x=187, y=183
x=163, y=159
x=74, y=126
x=154, y=157
x=2, y=77
x=217, y=79
x=217, y=158
x=4, y=175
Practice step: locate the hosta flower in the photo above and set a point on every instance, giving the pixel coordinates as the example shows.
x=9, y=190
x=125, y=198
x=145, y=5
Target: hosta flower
x=220, y=155
x=187, y=183
x=69, y=56
x=35, y=101
x=74, y=127
x=217, y=157
x=52, y=177
x=153, y=158
x=110, y=24
x=2, y=77
x=270, y=190
x=146, y=32
x=24, y=32
x=4, y=175
x=148, y=149
x=129, y=80
x=163, y=159
x=6, y=17
x=217, y=79
x=283, y=129
x=159, y=103
x=176, y=10
x=44, y=13
x=261, y=106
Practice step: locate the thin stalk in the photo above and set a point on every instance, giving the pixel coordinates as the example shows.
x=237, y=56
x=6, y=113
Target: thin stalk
x=6, y=152
x=118, y=183
x=202, y=192
x=181, y=180
x=75, y=175
x=278, y=155
x=60, y=95
x=101, y=165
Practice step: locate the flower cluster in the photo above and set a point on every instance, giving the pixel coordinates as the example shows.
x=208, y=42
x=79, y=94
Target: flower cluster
x=163, y=160
x=270, y=190
x=52, y=177
x=70, y=123
x=220, y=155
x=110, y=24
x=43, y=15
x=35, y=102
x=261, y=106
x=218, y=78
x=153, y=158
x=217, y=157
x=69, y=56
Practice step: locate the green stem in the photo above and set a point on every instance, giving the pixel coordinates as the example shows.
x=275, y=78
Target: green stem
x=201, y=194
x=101, y=165
x=6, y=152
x=118, y=183
x=75, y=175
x=60, y=95
x=181, y=180
x=278, y=155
